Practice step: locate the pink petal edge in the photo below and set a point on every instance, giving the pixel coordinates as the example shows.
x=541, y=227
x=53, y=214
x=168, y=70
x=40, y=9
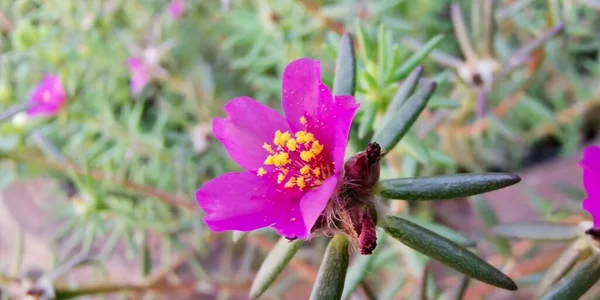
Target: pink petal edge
x=247, y=126
x=239, y=201
x=302, y=215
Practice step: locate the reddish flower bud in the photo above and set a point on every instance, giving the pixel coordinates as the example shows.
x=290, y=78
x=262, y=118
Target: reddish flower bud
x=352, y=210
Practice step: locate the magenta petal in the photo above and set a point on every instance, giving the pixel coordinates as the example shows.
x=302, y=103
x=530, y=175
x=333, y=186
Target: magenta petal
x=48, y=97
x=140, y=76
x=176, y=8
x=591, y=179
x=329, y=118
x=240, y=201
x=341, y=112
x=592, y=206
x=248, y=125
x=591, y=170
x=298, y=218
x=302, y=91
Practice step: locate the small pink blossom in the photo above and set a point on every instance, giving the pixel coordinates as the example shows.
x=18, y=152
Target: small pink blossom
x=176, y=8
x=140, y=74
x=591, y=181
x=47, y=98
x=293, y=164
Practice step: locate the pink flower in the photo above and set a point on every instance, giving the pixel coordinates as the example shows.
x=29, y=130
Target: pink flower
x=591, y=181
x=140, y=74
x=176, y=8
x=47, y=98
x=293, y=164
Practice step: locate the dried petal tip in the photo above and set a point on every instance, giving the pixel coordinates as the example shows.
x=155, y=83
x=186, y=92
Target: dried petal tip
x=367, y=240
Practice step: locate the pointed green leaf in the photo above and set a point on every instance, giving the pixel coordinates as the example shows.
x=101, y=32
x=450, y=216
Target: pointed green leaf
x=368, y=117
x=407, y=114
x=537, y=231
x=484, y=210
x=489, y=218
x=578, y=282
x=365, y=43
x=562, y=265
x=370, y=82
x=443, y=102
x=442, y=230
x=359, y=268
x=273, y=265
x=390, y=291
x=447, y=252
x=404, y=91
x=344, y=81
x=332, y=273
x=382, y=54
x=414, y=147
x=356, y=274
x=444, y=187
x=417, y=57
x=441, y=158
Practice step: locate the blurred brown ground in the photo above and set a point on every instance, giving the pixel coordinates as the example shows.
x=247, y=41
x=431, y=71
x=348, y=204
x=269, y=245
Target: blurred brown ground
x=22, y=207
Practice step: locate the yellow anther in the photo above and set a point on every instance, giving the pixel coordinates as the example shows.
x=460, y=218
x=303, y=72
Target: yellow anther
x=300, y=182
x=300, y=137
x=291, y=144
x=305, y=170
x=309, y=137
x=270, y=160
x=268, y=148
x=303, y=120
x=286, y=136
x=293, y=219
x=280, y=178
x=284, y=170
x=261, y=172
x=291, y=183
x=281, y=159
x=316, y=148
x=277, y=138
x=317, y=171
x=306, y=155
x=281, y=138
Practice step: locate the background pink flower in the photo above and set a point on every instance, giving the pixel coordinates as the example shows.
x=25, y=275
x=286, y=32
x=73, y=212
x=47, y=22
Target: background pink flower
x=47, y=98
x=176, y=8
x=140, y=75
x=591, y=181
x=292, y=164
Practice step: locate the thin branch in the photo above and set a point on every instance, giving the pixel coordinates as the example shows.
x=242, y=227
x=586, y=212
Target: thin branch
x=460, y=30
x=489, y=26
x=440, y=57
x=67, y=168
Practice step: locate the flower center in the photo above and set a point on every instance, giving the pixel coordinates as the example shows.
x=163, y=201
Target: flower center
x=297, y=159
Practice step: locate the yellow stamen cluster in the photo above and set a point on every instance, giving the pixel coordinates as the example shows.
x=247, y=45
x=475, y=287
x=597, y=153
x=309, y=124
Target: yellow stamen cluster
x=296, y=158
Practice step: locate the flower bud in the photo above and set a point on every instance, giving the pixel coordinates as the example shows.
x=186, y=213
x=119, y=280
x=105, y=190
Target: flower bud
x=352, y=210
